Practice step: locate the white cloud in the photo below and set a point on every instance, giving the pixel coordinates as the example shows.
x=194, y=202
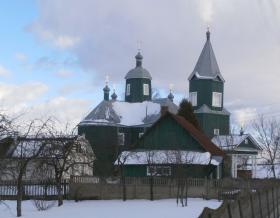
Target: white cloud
x=206, y=10
x=26, y=102
x=65, y=110
x=65, y=41
x=64, y=73
x=21, y=57
x=4, y=72
x=62, y=41
x=11, y=96
x=103, y=36
x=244, y=116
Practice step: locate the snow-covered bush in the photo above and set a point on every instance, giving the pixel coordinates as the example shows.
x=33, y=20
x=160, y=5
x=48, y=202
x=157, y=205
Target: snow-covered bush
x=43, y=204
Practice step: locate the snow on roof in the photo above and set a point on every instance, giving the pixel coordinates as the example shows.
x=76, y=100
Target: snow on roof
x=205, y=109
x=167, y=157
x=224, y=141
x=127, y=114
x=231, y=142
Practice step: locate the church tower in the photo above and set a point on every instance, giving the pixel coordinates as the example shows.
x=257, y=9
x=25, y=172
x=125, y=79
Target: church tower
x=138, y=83
x=206, y=93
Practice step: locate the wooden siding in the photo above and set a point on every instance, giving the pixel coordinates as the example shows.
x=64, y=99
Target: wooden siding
x=204, y=89
x=209, y=122
x=131, y=134
x=168, y=134
x=195, y=171
x=104, y=142
x=136, y=90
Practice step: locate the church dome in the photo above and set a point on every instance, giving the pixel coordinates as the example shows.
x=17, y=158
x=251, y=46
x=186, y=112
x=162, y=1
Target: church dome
x=138, y=71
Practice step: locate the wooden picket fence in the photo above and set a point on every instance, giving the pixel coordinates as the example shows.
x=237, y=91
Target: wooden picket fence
x=32, y=189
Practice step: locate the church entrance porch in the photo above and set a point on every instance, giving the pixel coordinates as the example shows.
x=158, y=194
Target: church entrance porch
x=243, y=165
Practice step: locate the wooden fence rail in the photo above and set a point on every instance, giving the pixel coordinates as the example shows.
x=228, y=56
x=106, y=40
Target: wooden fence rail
x=32, y=189
x=259, y=204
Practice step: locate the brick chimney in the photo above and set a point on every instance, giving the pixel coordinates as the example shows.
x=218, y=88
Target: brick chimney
x=163, y=110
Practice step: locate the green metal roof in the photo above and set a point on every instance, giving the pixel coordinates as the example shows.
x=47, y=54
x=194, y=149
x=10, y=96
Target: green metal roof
x=138, y=71
x=207, y=66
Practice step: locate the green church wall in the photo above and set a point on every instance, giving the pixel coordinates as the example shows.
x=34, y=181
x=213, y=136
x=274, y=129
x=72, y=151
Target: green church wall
x=131, y=134
x=103, y=140
x=204, y=89
x=136, y=90
x=209, y=122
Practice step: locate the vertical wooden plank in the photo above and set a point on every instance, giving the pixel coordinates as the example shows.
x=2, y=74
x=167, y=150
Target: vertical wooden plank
x=240, y=209
x=277, y=200
x=229, y=211
x=260, y=204
x=267, y=203
x=252, y=206
x=273, y=202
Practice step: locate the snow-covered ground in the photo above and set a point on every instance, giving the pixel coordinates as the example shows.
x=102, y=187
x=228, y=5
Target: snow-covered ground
x=113, y=209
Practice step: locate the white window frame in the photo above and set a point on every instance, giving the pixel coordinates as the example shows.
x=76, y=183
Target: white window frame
x=128, y=89
x=216, y=131
x=217, y=99
x=146, y=90
x=156, y=169
x=140, y=134
x=121, y=138
x=193, y=98
x=246, y=141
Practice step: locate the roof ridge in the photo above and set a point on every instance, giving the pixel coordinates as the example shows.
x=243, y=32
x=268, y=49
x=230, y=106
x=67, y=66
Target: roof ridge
x=204, y=141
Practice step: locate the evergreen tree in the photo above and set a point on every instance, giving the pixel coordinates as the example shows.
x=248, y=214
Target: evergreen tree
x=186, y=111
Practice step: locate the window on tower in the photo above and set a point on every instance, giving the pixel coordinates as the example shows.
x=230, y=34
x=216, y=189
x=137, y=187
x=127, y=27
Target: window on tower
x=193, y=98
x=128, y=89
x=146, y=89
x=217, y=99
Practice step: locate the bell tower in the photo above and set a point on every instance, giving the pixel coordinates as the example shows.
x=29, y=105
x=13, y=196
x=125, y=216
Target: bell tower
x=206, y=93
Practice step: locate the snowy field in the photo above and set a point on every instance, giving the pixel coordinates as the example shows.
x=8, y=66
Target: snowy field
x=113, y=209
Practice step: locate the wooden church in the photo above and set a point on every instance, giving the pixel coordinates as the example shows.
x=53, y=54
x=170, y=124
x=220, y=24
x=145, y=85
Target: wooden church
x=146, y=137
x=116, y=125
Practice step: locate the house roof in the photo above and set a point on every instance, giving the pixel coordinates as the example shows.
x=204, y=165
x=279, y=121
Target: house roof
x=28, y=146
x=138, y=71
x=232, y=142
x=119, y=113
x=203, y=140
x=200, y=137
x=207, y=66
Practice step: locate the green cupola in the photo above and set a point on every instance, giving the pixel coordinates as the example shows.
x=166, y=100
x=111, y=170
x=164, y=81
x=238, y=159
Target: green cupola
x=206, y=92
x=138, y=83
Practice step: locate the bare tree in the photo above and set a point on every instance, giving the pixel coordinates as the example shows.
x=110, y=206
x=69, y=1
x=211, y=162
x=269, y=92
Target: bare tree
x=6, y=130
x=268, y=135
x=67, y=154
x=26, y=148
x=122, y=159
x=151, y=160
x=181, y=160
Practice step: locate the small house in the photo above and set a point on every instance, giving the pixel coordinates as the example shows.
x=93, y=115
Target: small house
x=172, y=147
x=242, y=150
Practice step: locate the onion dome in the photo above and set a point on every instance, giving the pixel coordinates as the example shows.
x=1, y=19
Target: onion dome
x=138, y=71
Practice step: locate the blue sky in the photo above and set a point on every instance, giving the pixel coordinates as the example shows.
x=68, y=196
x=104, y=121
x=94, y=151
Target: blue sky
x=54, y=55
